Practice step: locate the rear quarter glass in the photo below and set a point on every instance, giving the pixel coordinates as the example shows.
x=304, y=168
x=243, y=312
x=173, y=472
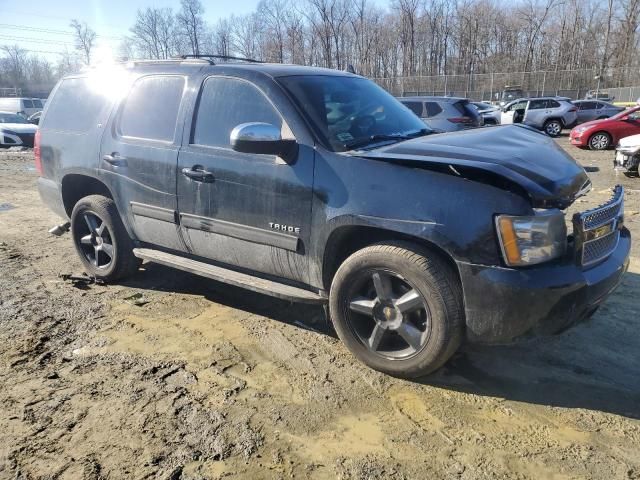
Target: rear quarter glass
x=74, y=107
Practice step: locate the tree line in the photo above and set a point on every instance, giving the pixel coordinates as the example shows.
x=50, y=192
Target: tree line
x=405, y=38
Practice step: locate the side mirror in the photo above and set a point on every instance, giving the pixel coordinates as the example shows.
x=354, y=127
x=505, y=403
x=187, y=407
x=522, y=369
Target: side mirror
x=263, y=139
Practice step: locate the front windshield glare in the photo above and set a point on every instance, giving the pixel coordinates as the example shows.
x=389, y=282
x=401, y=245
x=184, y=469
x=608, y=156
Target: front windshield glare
x=345, y=111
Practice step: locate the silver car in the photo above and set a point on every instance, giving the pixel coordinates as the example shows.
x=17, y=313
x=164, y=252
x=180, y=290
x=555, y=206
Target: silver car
x=446, y=114
x=550, y=114
x=595, y=110
x=489, y=113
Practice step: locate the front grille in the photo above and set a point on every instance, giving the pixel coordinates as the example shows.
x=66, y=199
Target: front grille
x=597, y=231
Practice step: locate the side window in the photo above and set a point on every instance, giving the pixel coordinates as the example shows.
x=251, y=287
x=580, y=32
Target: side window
x=74, y=107
x=224, y=104
x=415, y=107
x=537, y=104
x=600, y=105
x=27, y=104
x=552, y=104
x=432, y=108
x=151, y=109
x=37, y=103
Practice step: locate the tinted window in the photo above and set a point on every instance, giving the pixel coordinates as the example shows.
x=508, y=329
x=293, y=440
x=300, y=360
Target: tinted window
x=27, y=104
x=74, y=107
x=537, y=104
x=37, y=103
x=552, y=104
x=151, y=109
x=415, y=107
x=224, y=104
x=432, y=109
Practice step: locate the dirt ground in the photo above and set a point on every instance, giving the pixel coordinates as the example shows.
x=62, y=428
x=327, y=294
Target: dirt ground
x=171, y=376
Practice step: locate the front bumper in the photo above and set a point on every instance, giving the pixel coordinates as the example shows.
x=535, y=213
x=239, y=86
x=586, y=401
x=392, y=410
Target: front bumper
x=626, y=159
x=578, y=139
x=504, y=303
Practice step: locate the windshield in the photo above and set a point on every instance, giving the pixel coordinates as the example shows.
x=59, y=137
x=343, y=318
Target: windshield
x=346, y=112
x=624, y=113
x=11, y=118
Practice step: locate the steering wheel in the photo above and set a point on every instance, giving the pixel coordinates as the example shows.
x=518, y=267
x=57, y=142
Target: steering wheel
x=362, y=126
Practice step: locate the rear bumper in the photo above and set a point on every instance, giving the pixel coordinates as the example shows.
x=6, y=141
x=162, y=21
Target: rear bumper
x=51, y=196
x=503, y=303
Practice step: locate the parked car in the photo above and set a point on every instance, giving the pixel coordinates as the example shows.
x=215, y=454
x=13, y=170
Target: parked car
x=603, y=134
x=490, y=113
x=414, y=240
x=599, y=95
x=628, y=155
x=21, y=105
x=446, y=114
x=595, y=110
x=15, y=131
x=549, y=114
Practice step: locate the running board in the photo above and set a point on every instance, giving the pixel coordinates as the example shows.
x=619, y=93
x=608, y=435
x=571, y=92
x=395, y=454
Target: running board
x=243, y=280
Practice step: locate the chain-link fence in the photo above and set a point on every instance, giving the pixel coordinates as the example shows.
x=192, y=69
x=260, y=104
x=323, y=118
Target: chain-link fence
x=489, y=86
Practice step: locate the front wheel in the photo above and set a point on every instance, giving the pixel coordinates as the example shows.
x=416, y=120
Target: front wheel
x=398, y=308
x=553, y=128
x=599, y=141
x=101, y=240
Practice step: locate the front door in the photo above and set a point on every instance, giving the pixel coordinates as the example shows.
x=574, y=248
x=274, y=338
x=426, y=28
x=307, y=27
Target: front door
x=246, y=210
x=139, y=155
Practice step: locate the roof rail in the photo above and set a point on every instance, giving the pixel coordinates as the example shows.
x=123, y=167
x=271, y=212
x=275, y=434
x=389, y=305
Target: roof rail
x=221, y=57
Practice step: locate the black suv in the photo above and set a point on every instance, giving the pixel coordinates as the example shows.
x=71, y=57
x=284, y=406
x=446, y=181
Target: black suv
x=316, y=185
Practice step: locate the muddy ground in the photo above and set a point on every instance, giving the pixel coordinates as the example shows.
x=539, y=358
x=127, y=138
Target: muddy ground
x=172, y=376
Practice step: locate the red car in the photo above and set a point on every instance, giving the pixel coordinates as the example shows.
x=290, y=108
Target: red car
x=605, y=133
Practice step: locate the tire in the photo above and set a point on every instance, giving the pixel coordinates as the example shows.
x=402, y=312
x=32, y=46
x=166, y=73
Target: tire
x=553, y=127
x=371, y=290
x=96, y=225
x=599, y=141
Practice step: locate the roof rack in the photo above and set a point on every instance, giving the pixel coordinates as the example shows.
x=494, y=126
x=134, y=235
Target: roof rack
x=221, y=57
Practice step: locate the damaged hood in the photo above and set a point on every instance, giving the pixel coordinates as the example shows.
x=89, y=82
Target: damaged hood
x=518, y=154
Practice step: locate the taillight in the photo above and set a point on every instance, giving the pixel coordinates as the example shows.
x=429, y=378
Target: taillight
x=36, y=152
x=460, y=120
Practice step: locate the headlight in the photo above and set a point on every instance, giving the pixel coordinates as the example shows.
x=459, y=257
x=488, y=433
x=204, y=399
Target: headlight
x=581, y=129
x=532, y=239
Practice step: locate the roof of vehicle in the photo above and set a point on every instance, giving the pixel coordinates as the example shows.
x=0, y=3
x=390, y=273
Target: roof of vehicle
x=583, y=100
x=271, y=69
x=430, y=97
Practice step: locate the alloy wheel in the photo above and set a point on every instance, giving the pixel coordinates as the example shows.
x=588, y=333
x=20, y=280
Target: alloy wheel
x=95, y=240
x=554, y=128
x=599, y=141
x=388, y=315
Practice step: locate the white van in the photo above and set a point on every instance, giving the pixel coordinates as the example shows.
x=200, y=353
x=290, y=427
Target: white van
x=21, y=105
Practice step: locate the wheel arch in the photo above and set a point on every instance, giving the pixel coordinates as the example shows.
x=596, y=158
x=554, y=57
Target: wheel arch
x=75, y=186
x=346, y=240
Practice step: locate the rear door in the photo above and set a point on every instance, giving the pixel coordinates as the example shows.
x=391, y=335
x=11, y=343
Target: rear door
x=249, y=211
x=139, y=156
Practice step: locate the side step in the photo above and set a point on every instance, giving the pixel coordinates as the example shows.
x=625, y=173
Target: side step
x=256, y=284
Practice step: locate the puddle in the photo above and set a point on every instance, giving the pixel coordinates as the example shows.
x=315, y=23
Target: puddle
x=6, y=206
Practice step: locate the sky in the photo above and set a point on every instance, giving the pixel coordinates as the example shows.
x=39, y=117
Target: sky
x=42, y=26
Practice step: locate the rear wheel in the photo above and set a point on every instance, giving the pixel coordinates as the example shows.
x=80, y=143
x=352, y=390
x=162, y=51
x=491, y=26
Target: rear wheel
x=599, y=141
x=553, y=127
x=101, y=240
x=398, y=308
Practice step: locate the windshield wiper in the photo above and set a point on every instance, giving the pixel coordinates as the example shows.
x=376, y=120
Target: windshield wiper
x=362, y=142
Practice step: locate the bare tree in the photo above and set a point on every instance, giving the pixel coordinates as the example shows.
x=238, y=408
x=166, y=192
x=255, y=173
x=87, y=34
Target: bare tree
x=85, y=39
x=154, y=32
x=191, y=23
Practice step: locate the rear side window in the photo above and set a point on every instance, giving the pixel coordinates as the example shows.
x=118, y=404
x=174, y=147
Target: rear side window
x=432, y=109
x=415, y=107
x=151, y=109
x=37, y=103
x=553, y=104
x=224, y=104
x=27, y=103
x=74, y=107
x=537, y=104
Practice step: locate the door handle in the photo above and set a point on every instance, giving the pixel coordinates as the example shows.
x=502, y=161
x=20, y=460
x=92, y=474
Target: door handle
x=198, y=173
x=115, y=159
